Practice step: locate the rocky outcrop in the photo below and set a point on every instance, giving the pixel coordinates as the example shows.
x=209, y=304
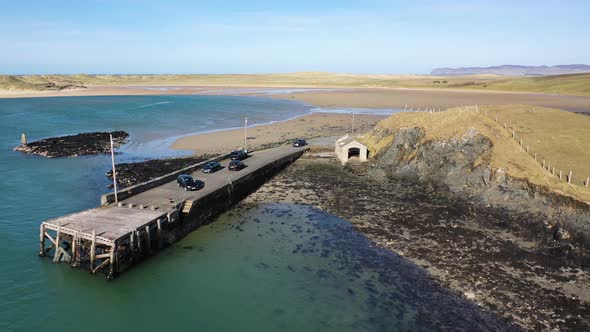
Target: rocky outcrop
x=129, y=174
x=461, y=166
x=75, y=145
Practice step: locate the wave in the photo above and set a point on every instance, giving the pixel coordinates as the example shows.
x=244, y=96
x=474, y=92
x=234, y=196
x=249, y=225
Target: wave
x=148, y=105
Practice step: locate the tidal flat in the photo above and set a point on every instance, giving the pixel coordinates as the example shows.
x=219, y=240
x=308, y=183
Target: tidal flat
x=504, y=262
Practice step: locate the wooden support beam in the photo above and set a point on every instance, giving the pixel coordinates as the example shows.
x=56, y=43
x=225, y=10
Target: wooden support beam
x=42, y=240
x=148, y=238
x=131, y=247
x=139, y=245
x=104, y=263
x=93, y=250
x=112, y=262
x=57, y=238
x=51, y=239
x=74, y=249
x=159, y=233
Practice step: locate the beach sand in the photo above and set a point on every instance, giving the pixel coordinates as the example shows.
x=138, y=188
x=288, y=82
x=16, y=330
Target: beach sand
x=319, y=124
x=308, y=126
x=351, y=97
x=399, y=98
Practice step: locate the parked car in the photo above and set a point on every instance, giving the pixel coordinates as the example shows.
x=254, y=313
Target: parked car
x=188, y=183
x=236, y=165
x=239, y=155
x=212, y=167
x=299, y=142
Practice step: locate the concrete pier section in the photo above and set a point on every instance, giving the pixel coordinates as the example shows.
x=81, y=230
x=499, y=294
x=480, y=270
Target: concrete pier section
x=151, y=215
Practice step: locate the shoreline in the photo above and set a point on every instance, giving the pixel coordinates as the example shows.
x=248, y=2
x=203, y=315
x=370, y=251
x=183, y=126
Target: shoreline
x=466, y=247
x=308, y=126
x=330, y=96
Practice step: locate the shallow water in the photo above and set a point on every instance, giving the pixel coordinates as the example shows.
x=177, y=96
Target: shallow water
x=34, y=188
x=261, y=268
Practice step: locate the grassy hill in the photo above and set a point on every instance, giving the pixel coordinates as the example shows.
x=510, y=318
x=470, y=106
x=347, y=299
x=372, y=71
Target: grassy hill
x=556, y=136
x=578, y=84
x=574, y=84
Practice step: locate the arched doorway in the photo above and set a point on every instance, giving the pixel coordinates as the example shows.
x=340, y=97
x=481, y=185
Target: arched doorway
x=354, y=152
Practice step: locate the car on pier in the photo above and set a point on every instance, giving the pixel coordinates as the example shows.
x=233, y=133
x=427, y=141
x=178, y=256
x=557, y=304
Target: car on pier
x=188, y=183
x=299, y=143
x=238, y=155
x=236, y=165
x=212, y=167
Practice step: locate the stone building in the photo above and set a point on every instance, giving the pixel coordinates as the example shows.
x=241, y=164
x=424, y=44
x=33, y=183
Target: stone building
x=348, y=147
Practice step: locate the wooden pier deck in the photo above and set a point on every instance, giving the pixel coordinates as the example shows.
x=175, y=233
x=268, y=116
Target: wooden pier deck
x=112, y=237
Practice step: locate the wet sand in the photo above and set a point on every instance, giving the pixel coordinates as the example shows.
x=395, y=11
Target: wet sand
x=308, y=126
x=345, y=97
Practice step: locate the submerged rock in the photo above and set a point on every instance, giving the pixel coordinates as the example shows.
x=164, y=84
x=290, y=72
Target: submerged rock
x=74, y=145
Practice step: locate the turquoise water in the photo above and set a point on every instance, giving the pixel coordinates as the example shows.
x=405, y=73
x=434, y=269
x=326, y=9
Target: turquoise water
x=258, y=268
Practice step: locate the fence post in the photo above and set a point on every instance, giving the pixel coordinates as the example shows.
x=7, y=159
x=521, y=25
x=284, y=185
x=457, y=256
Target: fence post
x=560, y=175
x=587, y=181
x=569, y=178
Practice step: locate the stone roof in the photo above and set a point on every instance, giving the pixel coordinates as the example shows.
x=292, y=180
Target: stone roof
x=346, y=139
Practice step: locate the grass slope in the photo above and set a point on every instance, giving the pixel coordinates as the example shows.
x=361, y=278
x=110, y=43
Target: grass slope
x=552, y=134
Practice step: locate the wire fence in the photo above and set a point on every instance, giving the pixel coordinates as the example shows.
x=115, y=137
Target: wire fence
x=564, y=174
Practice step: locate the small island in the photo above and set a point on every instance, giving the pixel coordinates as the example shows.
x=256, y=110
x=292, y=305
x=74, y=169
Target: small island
x=74, y=145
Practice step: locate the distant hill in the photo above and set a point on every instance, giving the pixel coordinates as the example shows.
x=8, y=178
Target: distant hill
x=514, y=70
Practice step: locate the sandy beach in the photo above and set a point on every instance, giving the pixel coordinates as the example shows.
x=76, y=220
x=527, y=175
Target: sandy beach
x=345, y=97
x=308, y=126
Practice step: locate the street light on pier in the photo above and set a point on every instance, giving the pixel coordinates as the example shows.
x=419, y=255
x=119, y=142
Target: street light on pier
x=245, y=133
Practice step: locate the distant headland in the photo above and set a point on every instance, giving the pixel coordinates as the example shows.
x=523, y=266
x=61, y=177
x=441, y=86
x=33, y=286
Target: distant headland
x=514, y=70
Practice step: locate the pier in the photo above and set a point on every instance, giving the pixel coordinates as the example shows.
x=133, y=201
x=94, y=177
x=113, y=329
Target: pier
x=149, y=216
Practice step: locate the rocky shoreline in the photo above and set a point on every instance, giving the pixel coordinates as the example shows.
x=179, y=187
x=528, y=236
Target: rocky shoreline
x=129, y=174
x=506, y=262
x=74, y=145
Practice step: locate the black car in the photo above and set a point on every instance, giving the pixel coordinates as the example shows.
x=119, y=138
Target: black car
x=212, y=167
x=236, y=165
x=239, y=155
x=299, y=142
x=188, y=183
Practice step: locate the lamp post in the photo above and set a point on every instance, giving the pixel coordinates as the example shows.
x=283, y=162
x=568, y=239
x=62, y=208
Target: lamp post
x=245, y=133
x=114, y=172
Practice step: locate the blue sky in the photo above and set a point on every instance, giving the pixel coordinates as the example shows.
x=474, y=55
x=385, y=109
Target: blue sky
x=102, y=36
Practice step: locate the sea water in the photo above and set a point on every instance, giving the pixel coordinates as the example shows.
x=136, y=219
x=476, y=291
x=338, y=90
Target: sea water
x=267, y=267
